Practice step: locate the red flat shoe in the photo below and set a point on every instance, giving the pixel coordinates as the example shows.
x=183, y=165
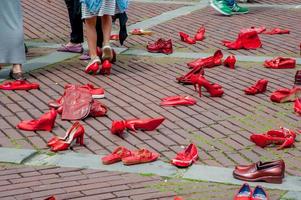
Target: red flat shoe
x=200, y=35
x=160, y=46
x=77, y=134
x=93, y=67
x=55, y=139
x=297, y=106
x=230, y=62
x=260, y=194
x=19, y=85
x=259, y=87
x=178, y=100
x=98, y=109
x=286, y=95
x=277, y=31
x=213, y=90
x=44, y=123
x=280, y=63
x=139, y=157
x=117, y=155
x=186, y=157
x=186, y=38
x=208, y=62
x=244, y=193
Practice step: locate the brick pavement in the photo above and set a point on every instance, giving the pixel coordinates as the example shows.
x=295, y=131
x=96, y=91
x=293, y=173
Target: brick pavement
x=69, y=183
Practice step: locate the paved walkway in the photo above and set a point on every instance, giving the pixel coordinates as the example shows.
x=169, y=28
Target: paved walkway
x=220, y=127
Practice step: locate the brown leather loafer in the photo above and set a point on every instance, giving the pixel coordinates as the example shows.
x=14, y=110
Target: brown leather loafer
x=271, y=172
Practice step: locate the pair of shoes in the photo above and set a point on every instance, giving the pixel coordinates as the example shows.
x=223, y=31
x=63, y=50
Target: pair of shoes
x=208, y=62
x=222, y=7
x=247, y=39
x=230, y=62
x=178, y=101
x=129, y=157
x=215, y=90
x=160, y=46
x=151, y=124
x=186, y=157
x=44, y=123
x=270, y=172
x=259, y=87
x=245, y=193
x=18, y=76
x=285, y=95
x=138, y=31
x=280, y=63
x=76, y=131
x=284, y=137
x=199, y=36
x=277, y=31
x=75, y=48
x=298, y=77
x=19, y=85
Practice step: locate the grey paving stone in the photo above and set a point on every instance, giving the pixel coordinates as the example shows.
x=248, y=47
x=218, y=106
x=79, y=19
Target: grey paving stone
x=12, y=155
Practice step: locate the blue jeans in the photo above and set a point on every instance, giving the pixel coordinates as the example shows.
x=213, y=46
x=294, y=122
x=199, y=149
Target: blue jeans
x=230, y=2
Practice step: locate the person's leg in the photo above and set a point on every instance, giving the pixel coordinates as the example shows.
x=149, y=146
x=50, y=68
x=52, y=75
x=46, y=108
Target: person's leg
x=99, y=32
x=106, y=22
x=90, y=24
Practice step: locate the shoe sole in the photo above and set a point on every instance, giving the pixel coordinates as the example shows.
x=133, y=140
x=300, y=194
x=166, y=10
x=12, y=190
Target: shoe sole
x=219, y=10
x=98, y=96
x=267, y=179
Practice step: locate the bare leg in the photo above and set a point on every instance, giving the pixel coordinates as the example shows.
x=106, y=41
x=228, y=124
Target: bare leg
x=106, y=21
x=91, y=35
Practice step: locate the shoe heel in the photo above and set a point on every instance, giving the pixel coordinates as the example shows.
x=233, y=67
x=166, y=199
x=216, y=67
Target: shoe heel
x=277, y=179
x=200, y=90
x=80, y=140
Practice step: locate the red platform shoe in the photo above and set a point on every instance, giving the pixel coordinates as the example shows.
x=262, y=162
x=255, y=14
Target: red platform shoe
x=285, y=95
x=19, y=85
x=77, y=134
x=297, y=106
x=140, y=156
x=178, y=100
x=117, y=155
x=259, y=87
x=214, y=90
x=208, y=62
x=44, y=123
x=277, y=31
x=280, y=63
x=93, y=66
x=247, y=39
x=244, y=193
x=200, y=35
x=55, y=139
x=160, y=46
x=143, y=124
x=186, y=157
x=185, y=38
x=230, y=62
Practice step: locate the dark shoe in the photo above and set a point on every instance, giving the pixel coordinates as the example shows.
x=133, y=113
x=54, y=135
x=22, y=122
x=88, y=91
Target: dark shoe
x=19, y=76
x=298, y=78
x=271, y=173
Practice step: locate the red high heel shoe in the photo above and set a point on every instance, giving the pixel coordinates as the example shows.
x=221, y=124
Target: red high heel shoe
x=77, y=134
x=280, y=63
x=214, y=90
x=117, y=155
x=186, y=157
x=185, y=38
x=178, y=100
x=44, y=123
x=106, y=67
x=200, y=35
x=55, y=139
x=143, y=124
x=230, y=62
x=208, y=62
x=259, y=87
x=19, y=85
x=187, y=78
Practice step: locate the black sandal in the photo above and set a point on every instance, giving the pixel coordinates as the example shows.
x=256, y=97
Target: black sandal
x=19, y=76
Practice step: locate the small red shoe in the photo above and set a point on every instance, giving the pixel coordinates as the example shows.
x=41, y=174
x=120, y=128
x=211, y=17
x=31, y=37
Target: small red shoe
x=160, y=46
x=117, y=155
x=139, y=157
x=98, y=109
x=114, y=37
x=19, y=85
x=244, y=193
x=297, y=106
x=208, y=62
x=259, y=87
x=93, y=66
x=200, y=35
x=178, y=100
x=277, y=31
x=186, y=38
x=77, y=134
x=44, y=123
x=230, y=62
x=280, y=63
x=140, y=32
x=285, y=95
x=186, y=157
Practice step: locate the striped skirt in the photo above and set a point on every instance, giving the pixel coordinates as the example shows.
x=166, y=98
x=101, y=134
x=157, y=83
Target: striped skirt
x=108, y=7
